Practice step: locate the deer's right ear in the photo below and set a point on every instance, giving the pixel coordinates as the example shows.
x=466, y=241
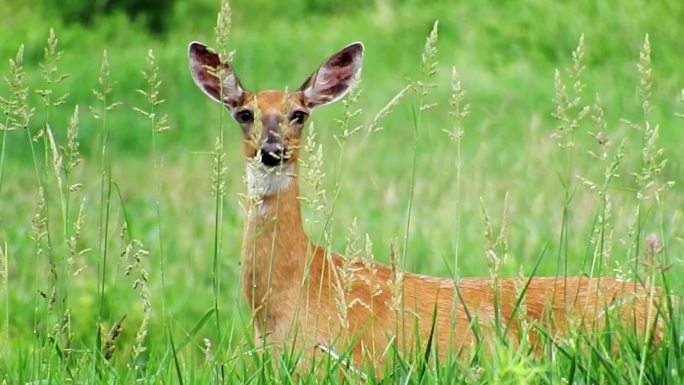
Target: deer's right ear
x=216, y=79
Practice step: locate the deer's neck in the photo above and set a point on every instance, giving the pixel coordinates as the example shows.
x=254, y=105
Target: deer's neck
x=274, y=245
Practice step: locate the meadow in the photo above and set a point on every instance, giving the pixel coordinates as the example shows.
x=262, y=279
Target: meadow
x=528, y=138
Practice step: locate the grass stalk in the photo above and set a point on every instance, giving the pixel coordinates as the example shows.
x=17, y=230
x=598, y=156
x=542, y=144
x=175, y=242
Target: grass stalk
x=222, y=32
x=100, y=113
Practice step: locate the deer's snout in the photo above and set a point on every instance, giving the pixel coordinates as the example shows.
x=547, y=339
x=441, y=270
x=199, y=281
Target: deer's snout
x=273, y=151
x=272, y=154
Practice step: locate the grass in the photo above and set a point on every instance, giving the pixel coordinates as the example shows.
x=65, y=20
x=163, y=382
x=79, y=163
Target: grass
x=138, y=228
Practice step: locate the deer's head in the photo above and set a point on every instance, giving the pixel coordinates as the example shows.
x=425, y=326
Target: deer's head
x=276, y=136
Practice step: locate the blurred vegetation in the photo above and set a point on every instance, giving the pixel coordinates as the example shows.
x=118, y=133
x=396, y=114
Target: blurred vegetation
x=505, y=52
x=497, y=49
x=153, y=14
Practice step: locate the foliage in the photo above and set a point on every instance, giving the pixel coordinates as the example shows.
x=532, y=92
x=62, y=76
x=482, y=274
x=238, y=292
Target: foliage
x=154, y=14
x=120, y=228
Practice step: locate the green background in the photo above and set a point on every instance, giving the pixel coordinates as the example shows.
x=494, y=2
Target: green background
x=505, y=53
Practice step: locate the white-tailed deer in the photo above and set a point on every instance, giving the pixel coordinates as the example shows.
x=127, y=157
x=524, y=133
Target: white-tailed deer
x=299, y=292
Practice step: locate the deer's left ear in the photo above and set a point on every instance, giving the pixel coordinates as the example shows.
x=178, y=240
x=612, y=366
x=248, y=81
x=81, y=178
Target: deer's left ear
x=334, y=78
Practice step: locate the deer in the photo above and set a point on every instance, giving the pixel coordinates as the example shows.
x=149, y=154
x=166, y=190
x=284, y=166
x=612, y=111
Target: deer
x=294, y=287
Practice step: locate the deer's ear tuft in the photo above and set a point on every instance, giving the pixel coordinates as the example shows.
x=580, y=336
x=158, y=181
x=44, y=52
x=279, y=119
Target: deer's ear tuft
x=334, y=78
x=216, y=79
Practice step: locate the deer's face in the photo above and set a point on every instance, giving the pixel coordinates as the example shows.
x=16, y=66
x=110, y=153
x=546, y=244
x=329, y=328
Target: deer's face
x=272, y=124
x=272, y=121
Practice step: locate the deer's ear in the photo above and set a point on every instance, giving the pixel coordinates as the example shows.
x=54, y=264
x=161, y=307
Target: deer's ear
x=216, y=79
x=334, y=78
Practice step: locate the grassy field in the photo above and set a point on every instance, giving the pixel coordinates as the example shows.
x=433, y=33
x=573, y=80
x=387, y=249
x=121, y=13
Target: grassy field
x=572, y=145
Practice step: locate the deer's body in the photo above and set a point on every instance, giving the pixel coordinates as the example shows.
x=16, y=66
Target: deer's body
x=306, y=283
x=301, y=293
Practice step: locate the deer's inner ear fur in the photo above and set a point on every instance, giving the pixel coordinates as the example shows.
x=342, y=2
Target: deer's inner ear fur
x=334, y=78
x=216, y=79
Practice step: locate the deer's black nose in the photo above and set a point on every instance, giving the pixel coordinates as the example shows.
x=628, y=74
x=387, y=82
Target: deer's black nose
x=272, y=154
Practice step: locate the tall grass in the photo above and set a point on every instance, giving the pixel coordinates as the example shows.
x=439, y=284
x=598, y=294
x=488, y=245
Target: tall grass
x=75, y=314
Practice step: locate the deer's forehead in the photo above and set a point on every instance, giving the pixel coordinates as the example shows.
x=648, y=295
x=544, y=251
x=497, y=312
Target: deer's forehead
x=271, y=101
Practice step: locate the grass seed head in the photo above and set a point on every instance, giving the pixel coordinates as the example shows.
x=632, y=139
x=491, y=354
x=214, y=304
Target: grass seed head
x=375, y=126
x=396, y=280
x=460, y=109
x=17, y=110
x=218, y=169
x=71, y=151
x=50, y=69
x=313, y=175
x=222, y=31
x=109, y=345
x=645, y=69
x=570, y=111
x=428, y=60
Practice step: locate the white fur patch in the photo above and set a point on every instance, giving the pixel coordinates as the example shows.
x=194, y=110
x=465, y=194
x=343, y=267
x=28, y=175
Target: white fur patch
x=265, y=181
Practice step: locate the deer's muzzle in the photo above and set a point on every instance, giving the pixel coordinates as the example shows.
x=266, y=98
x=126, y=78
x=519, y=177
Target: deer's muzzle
x=272, y=154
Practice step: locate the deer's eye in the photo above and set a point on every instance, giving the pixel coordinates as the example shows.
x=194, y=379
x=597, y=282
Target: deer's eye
x=244, y=116
x=298, y=117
